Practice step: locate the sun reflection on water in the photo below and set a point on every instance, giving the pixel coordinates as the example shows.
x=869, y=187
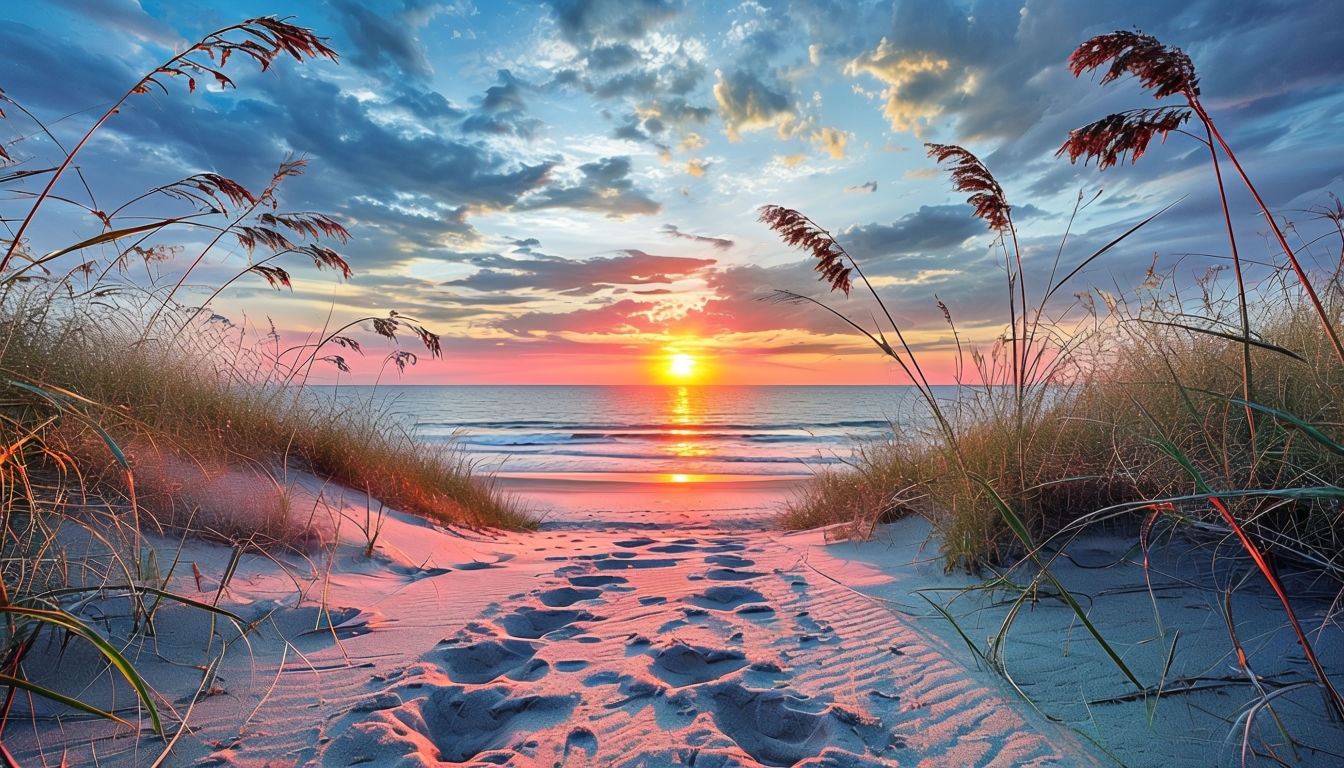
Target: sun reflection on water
x=685, y=420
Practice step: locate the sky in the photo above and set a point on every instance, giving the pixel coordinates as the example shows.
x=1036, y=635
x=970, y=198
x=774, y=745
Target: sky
x=568, y=191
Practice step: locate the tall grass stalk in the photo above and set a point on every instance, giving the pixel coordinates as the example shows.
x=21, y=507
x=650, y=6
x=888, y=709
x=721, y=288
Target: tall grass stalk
x=1213, y=408
x=120, y=408
x=995, y=438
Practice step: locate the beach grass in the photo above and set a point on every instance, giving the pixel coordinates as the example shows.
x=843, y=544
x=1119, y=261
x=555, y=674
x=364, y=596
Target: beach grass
x=1212, y=404
x=125, y=412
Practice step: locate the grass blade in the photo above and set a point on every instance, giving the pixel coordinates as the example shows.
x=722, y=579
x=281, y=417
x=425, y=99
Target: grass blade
x=1020, y=530
x=114, y=657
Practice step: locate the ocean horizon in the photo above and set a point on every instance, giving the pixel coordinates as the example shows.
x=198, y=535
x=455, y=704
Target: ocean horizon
x=650, y=432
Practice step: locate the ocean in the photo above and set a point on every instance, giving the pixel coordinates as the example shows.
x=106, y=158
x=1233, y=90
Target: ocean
x=703, y=439
x=591, y=432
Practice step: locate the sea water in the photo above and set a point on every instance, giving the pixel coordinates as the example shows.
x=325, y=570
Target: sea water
x=706, y=431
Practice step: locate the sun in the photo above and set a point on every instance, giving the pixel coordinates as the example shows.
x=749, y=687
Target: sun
x=682, y=366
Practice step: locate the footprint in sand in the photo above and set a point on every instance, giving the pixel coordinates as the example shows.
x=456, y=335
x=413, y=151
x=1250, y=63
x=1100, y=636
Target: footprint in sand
x=463, y=726
x=681, y=664
x=564, y=597
x=732, y=598
x=491, y=659
x=730, y=574
x=597, y=581
x=581, y=738
x=730, y=561
x=533, y=623
x=776, y=728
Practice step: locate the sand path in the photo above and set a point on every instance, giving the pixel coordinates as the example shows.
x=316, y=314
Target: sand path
x=654, y=638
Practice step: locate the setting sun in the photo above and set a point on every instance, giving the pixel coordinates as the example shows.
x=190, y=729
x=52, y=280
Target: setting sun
x=682, y=366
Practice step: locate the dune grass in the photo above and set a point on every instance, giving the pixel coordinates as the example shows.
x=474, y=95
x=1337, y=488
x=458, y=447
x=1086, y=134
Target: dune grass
x=1214, y=406
x=124, y=412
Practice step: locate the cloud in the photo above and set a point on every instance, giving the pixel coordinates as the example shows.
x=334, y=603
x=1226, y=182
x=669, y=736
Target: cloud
x=499, y=273
x=605, y=188
x=832, y=140
x=585, y=22
x=933, y=228
x=720, y=243
x=503, y=110
x=918, y=84
x=127, y=15
x=383, y=42
x=865, y=189
x=747, y=104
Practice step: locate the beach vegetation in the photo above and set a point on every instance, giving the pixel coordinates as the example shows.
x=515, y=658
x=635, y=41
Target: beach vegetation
x=126, y=413
x=1206, y=407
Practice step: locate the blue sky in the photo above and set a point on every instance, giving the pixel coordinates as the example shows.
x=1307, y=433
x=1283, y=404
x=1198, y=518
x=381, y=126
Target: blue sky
x=568, y=191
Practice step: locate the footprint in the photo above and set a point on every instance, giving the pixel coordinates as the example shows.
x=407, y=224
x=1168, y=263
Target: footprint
x=729, y=546
x=730, y=574
x=776, y=728
x=581, y=738
x=490, y=659
x=635, y=543
x=726, y=598
x=680, y=664
x=533, y=623
x=671, y=549
x=730, y=561
x=596, y=581
x=566, y=596
x=462, y=725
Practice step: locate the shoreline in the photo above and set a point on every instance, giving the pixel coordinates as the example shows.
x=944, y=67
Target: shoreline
x=593, y=498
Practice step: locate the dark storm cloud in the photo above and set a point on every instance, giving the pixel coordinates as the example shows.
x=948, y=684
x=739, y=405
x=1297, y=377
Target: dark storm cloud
x=720, y=243
x=501, y=273
x=584, y=22
x=605, y=188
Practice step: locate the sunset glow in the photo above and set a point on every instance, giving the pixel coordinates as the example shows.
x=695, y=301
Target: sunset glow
x=682, y=366
x=568, y=192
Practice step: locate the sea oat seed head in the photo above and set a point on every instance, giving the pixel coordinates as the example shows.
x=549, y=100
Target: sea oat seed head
x=1112, y=137
x=971, y=175
x=797, y=230
x=1167, y=70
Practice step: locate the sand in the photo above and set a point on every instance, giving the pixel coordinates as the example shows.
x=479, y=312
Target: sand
x=651, y=626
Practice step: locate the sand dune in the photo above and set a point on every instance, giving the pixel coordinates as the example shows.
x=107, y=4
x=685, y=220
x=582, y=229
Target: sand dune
x=611, y=639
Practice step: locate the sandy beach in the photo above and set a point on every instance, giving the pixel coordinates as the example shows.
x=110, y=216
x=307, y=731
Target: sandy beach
x=676, y=634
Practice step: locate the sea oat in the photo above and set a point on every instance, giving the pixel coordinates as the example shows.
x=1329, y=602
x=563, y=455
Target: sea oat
x=797, y=230
x=971, y=175
x=1112, y=137
x=1167, y=70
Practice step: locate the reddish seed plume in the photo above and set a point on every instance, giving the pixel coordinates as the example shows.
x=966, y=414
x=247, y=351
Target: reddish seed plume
x=1111, y=138
x=797, y=230
x=1165, y=70
x=971, y=175
x=276, y=276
